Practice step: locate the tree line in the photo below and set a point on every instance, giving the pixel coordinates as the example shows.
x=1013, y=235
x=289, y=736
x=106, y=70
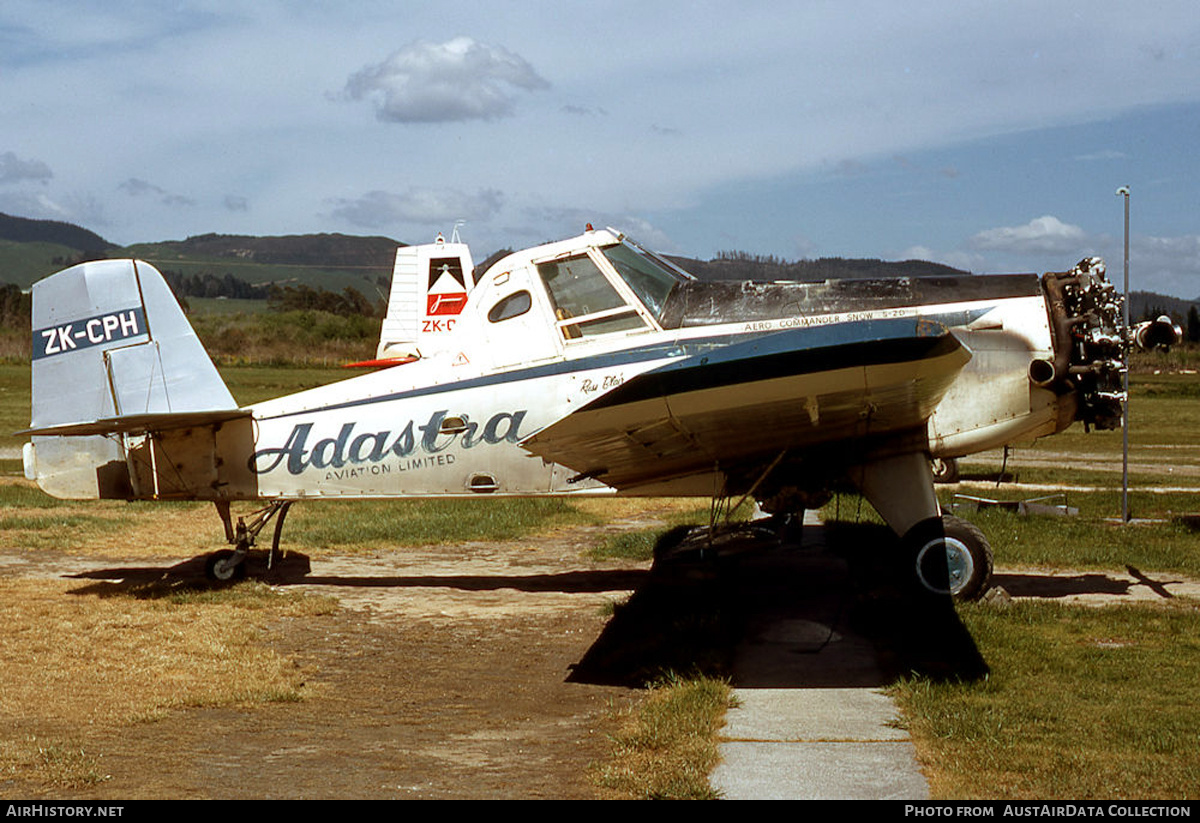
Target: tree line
x=207, y=284
x=15, y=307
x=349, y=302
x=740, y=265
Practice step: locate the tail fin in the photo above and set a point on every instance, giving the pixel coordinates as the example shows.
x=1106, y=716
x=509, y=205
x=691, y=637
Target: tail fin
x=112, y=354
x=430, y=287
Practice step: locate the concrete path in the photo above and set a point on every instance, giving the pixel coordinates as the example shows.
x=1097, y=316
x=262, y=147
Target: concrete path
x=812, y=721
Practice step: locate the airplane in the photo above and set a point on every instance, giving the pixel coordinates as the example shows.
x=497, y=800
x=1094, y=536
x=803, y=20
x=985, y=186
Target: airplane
x=587, y=366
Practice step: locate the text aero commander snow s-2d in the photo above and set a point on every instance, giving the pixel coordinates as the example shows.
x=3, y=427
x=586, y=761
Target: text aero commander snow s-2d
x=585, y=366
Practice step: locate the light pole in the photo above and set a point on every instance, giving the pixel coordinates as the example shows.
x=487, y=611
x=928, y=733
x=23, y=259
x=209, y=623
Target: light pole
x=1124, y=191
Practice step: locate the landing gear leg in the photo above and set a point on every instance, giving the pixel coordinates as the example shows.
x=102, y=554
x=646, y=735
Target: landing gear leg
x=227, y=565
x=949, y=555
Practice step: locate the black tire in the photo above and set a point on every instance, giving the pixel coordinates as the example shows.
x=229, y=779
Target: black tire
x=671, y=540
x=945, y=469
x=219, y=569
x=967, y=568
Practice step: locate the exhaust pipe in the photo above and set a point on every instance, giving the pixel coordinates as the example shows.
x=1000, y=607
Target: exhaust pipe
x=1043, y=373
x=1156, y=334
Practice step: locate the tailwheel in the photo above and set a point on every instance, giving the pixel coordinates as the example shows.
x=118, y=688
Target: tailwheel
x=229, y=564
x=225, y=566
x=951, y=556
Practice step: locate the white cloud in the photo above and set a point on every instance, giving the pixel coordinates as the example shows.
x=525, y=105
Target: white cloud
x=136, y=187
x=81, y=209
x=1161, y=250
x=1040, y=235
x=565, y=221
x=734, y=126
x=381, y=209
x=1169, y=265
x=461, y=79
x=585, y=111
x=36, y=206
x=15, y=170
x=1103, y=154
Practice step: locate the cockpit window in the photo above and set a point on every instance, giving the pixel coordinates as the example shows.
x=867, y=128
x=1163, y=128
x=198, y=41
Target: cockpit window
x=509, y=307
x=648, y=279
x=582, y=295
x=577, y=286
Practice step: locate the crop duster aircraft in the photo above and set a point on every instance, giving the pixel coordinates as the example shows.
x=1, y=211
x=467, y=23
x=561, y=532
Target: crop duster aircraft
x=581, y=367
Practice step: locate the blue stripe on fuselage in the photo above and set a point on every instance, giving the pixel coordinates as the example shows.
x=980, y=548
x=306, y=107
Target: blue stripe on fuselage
x=746, y=345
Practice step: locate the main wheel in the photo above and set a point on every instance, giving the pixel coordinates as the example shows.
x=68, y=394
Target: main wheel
x=945, y=469
x=967, y=566
x=221, y=567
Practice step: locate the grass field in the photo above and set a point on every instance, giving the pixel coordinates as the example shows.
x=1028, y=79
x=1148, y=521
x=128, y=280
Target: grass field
x=1079, y=703
x=1082, y=702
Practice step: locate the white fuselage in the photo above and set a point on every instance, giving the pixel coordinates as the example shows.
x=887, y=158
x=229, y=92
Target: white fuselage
x=583, y=366
x=451, y=424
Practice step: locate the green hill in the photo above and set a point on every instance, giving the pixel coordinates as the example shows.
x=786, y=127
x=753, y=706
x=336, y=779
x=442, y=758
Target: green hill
x=32, y=249
x=335, y=251
x=329, y=262
x=24, y=230
x=23, y=263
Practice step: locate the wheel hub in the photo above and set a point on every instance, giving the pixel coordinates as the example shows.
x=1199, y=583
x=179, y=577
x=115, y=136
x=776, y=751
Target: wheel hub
x=960, y=565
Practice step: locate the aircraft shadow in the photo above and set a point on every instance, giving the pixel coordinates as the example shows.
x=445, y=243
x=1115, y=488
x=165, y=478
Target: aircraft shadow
x=294, y=568
x=1050, y=586
x=566, y=582
x=831, y=610
x=156, y=581
x=829, y=607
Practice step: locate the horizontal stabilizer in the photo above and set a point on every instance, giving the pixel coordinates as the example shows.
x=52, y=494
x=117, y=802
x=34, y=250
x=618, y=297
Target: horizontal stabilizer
x=139, y=423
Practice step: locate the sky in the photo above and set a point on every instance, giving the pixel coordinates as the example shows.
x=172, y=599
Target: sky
x=991, y=136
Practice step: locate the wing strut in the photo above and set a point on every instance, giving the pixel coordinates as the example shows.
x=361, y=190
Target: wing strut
x=754, y=487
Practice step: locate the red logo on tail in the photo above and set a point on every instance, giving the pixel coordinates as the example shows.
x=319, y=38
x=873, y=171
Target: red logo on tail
x=445, y=303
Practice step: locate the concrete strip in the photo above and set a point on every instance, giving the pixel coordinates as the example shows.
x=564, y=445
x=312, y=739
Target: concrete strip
x=846, y=770
x=812, y=722
x=788, y=715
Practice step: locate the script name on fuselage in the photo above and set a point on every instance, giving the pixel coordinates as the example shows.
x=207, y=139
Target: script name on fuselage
x=352, y=447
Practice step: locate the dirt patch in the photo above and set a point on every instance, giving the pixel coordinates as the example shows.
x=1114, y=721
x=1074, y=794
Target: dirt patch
x=447, y=673
x=469, y=709
x=480, y=670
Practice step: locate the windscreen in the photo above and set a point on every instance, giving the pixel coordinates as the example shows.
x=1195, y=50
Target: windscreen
x=649, y=280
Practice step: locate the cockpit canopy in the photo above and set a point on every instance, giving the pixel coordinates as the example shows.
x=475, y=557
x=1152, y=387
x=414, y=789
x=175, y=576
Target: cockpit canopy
x=596, y=284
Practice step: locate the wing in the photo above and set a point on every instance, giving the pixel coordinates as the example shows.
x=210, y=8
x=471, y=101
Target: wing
x=747, y=401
